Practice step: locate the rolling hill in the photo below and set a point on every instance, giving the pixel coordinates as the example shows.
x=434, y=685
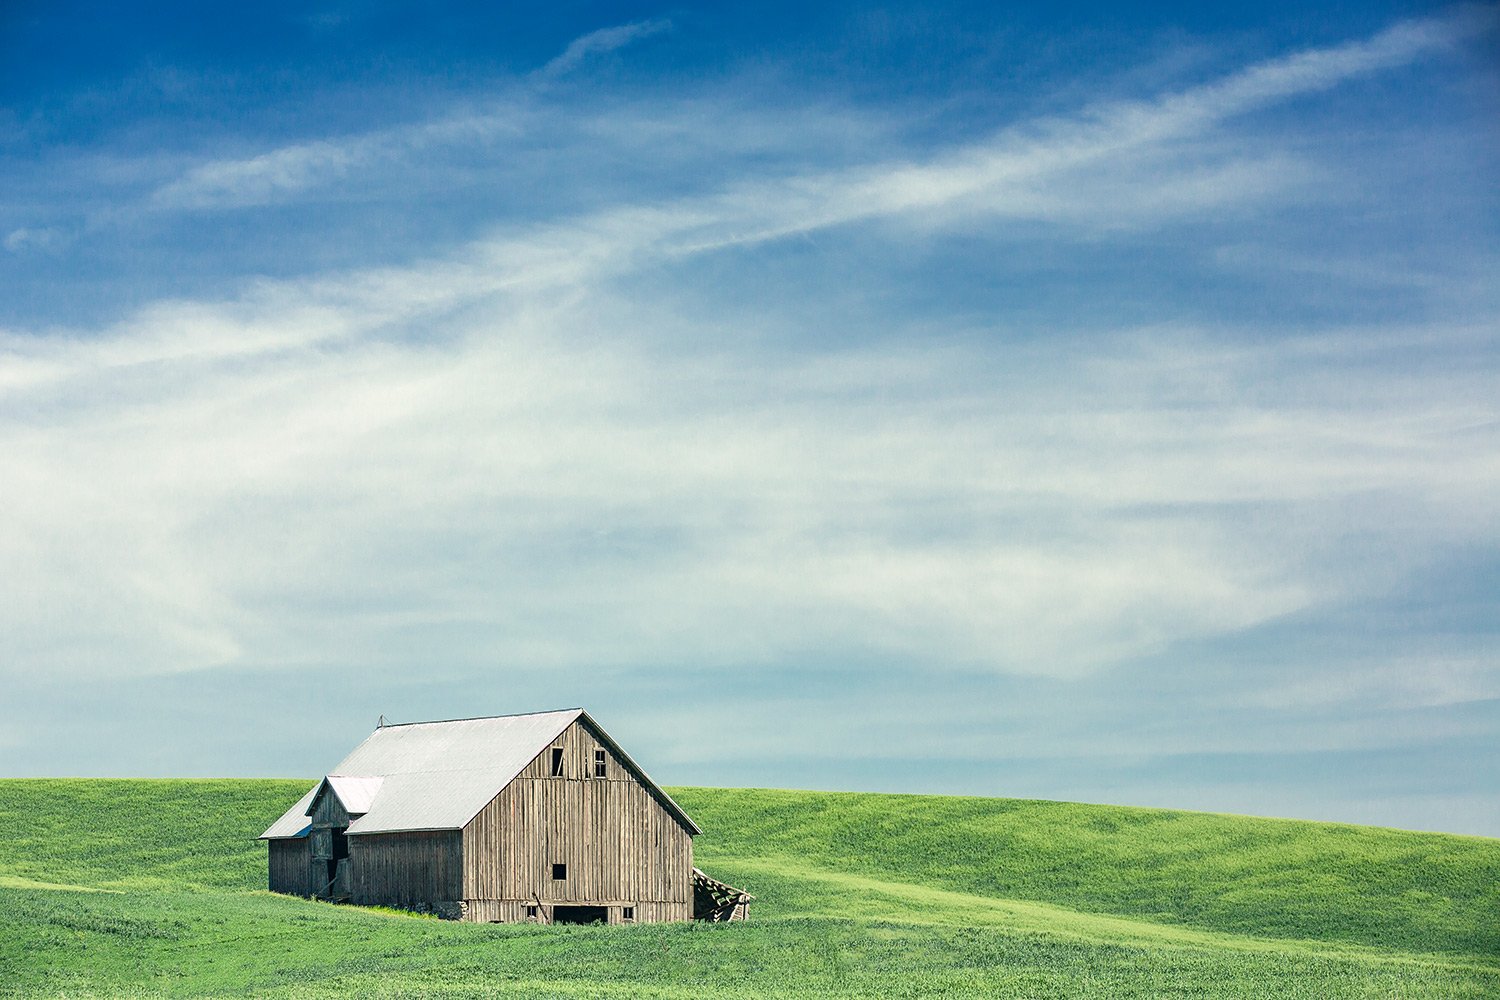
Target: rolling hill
x=156, y=888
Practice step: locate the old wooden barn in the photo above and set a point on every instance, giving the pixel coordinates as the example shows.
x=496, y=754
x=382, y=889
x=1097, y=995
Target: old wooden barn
x=539, y=817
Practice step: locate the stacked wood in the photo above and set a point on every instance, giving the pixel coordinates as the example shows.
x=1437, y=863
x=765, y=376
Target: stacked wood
x=718, y=902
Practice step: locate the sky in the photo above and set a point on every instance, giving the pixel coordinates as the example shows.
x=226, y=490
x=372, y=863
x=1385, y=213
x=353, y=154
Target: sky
x=1075, y=401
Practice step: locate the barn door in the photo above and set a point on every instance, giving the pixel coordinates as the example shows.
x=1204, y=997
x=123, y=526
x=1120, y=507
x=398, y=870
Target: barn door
x=330, y=863
x=320, y=851
x=339, y=868
x=339, y=884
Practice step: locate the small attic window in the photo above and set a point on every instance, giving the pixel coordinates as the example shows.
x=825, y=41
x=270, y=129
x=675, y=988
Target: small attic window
x=599, y=765
x=559, y=872
x=557, y=755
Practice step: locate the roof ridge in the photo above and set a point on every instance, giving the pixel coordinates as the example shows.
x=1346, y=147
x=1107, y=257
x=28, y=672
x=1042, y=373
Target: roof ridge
x=478, y=718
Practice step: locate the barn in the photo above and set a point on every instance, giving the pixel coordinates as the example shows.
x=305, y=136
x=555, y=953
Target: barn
x=539, y=817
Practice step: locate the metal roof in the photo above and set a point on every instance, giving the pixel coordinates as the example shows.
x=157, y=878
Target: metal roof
x=439, y=775
x=293, y=822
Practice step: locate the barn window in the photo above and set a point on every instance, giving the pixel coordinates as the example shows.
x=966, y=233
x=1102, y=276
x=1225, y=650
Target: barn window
x=531, y=913
x=559, y=871
x=599, y=764
x=557, y=762
x=627, y=914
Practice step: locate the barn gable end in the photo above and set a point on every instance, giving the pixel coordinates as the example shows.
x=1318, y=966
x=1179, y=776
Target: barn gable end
x=581, y=810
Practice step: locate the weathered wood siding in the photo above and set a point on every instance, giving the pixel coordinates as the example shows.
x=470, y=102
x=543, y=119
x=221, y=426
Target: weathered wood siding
x=621, y=847
x=290, y=866
x=409, y=870
x=327, y=810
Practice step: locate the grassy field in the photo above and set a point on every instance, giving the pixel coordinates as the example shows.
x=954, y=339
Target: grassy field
x=134, y=888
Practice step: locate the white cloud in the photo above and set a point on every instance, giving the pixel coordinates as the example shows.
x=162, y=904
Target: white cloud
x=280, y=174
x=583, y=500
x=487, y=444
x=24, y=239
x=602, y=41
x=261, y=179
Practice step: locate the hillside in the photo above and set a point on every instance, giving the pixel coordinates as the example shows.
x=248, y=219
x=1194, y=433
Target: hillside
x=113, y=888
x=1281, y=878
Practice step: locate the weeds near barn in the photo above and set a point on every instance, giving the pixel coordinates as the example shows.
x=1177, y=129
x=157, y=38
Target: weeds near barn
x=858, y=896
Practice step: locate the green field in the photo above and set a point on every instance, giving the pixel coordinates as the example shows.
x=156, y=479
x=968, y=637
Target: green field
x=128, y=888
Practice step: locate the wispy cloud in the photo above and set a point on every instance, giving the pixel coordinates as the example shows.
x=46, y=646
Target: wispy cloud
x=599, y=42
x=1002, y=170
x=25, y=240
x=263, y=178
x=1001, y=175
x=281, y=173
x=1119, y=163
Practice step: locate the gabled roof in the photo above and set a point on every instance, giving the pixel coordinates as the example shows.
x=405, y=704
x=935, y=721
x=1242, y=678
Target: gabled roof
x=354, y=793
x=439, y=775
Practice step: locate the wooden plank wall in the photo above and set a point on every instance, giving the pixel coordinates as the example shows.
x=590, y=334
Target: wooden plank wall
x=409, y=870
x=290, y=866
x=621, y=847
x=329, y=811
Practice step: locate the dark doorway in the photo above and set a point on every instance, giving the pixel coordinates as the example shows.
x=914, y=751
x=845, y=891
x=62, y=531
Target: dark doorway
x=580, y=915
x=338, y=867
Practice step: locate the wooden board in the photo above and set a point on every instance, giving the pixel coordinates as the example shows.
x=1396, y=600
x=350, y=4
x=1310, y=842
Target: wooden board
x=409, y=870
x=620, y=846
x=290, y=866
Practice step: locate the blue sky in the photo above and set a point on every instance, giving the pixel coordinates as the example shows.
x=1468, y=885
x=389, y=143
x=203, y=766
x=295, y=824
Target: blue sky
x=1097, y=402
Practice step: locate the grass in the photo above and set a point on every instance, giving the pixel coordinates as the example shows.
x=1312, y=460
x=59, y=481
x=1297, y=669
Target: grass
x=154, y=888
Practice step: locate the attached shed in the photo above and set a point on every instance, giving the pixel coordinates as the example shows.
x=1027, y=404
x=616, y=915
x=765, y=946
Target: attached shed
x=539, y=817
